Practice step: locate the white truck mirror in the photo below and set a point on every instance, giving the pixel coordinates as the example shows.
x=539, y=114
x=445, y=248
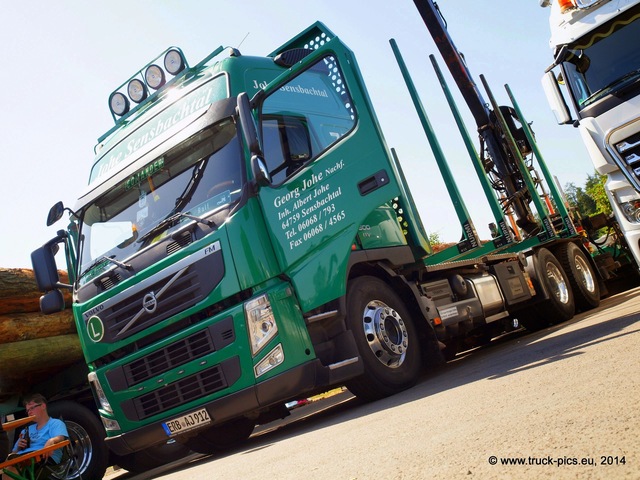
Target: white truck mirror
x=555, y=98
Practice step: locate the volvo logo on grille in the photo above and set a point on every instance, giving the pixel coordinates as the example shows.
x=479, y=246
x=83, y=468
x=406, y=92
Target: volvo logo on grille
x=149, y=302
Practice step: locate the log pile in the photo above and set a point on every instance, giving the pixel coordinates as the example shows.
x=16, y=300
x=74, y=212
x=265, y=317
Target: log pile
x=32, y=345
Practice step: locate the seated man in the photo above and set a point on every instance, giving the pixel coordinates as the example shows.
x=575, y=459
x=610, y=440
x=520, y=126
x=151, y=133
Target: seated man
x=43, y=432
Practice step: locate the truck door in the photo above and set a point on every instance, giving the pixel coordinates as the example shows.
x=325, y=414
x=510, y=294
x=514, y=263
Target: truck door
x=329, y=166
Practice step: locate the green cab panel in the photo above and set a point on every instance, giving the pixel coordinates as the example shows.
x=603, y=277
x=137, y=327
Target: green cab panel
x=381, y=229
x=330, y=169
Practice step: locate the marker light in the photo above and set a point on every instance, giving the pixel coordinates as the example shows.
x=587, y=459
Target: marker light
x=154, y=77
x=118, y=103
x=566, y=5
x=137, y=90
x=173, y=62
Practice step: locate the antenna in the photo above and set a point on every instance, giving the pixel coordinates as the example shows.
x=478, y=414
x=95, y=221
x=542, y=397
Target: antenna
x=242, y=41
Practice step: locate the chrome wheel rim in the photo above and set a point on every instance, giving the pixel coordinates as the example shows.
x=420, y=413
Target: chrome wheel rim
x=385, y=333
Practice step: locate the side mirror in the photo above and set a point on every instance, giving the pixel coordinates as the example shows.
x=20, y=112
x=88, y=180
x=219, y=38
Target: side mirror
x=260, y=171
x=52, y=302
x=258, y=166
x=555, y=99
x=247, y=124
x=55, y=213
x=44, y=265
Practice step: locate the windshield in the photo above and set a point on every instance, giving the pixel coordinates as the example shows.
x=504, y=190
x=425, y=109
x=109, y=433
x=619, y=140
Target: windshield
x=605, y=62
x=185, y=184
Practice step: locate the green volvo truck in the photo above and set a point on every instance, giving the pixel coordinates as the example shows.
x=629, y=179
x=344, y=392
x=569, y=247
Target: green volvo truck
x=247, y=238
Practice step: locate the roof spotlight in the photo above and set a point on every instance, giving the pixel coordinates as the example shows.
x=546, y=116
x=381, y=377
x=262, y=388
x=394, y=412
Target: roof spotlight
x=154, y=77
x=137, y=90
x=118, y=103
x=173, y=62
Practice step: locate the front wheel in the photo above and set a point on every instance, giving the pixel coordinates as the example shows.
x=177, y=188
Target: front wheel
x=386, y=339
x=86, y=433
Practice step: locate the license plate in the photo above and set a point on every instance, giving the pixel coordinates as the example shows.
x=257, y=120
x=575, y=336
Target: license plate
x=187, y=422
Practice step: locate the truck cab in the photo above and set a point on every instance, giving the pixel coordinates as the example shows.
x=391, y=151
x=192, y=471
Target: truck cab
x=597, y=61
x=210, y=251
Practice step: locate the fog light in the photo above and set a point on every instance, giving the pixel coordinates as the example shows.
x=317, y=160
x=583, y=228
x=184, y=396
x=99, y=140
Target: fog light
x=154, y=76
x=274, y=358
x=137, y=90
x=110, y=424
x=173, y=62
x=118, y=103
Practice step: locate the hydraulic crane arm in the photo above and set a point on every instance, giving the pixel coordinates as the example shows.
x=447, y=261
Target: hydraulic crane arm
x=509, y=177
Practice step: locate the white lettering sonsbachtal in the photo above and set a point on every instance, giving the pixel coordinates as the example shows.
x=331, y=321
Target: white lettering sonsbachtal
x=304, y=90
x=157, y=127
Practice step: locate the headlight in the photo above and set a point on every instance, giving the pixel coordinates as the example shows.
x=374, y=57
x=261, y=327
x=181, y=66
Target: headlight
x=173, y=62
x=261, y=323
x=154, y=77
x=137, y=90
x=102, y=398
x=118, y=103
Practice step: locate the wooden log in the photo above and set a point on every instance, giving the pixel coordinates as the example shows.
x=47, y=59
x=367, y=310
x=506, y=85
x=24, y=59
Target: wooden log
x=30, y=361
x=18, y=327
x=19, y=293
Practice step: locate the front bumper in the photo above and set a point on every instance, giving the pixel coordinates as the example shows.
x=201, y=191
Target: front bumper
x=292, y=383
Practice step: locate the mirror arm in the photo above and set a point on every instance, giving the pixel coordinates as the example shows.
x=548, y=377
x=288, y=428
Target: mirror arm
x=248, y=126
x=559, y=58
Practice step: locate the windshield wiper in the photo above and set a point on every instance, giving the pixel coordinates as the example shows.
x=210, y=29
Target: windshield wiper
x=170, y=220
x=632, y=75
x=103, y=259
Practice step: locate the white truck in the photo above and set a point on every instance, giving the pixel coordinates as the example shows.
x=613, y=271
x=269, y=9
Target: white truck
x=597, y=62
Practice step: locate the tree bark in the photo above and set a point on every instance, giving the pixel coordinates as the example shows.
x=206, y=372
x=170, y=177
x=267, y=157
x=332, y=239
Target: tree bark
x=18, y=327
x=30, y=361
x=19, y=292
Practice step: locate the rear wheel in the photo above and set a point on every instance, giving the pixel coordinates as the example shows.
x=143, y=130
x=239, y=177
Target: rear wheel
x=221, y=437
x=582, y=277
x=385, y=337
x=560, y=305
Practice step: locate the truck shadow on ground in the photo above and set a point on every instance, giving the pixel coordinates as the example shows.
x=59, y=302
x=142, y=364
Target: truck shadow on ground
x=508, y=355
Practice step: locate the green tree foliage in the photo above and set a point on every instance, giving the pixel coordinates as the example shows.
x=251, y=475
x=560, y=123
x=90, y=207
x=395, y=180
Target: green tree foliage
x=595, y=189
x=591, y=198
x=580, y=200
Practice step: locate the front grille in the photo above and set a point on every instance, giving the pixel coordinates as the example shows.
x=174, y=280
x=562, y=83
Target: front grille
x=628, y=152
x=110, y=281
x=147, y=303
x=194, y=347
x=178, y=296
x=183, y=391
x=177, y=393
x=181, y=241
x=170, y=357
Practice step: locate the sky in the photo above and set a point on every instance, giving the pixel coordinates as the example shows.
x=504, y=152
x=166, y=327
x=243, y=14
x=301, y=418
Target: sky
x=63, y=58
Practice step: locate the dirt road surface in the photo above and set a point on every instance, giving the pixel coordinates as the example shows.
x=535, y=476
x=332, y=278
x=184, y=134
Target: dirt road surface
x=562, y=403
